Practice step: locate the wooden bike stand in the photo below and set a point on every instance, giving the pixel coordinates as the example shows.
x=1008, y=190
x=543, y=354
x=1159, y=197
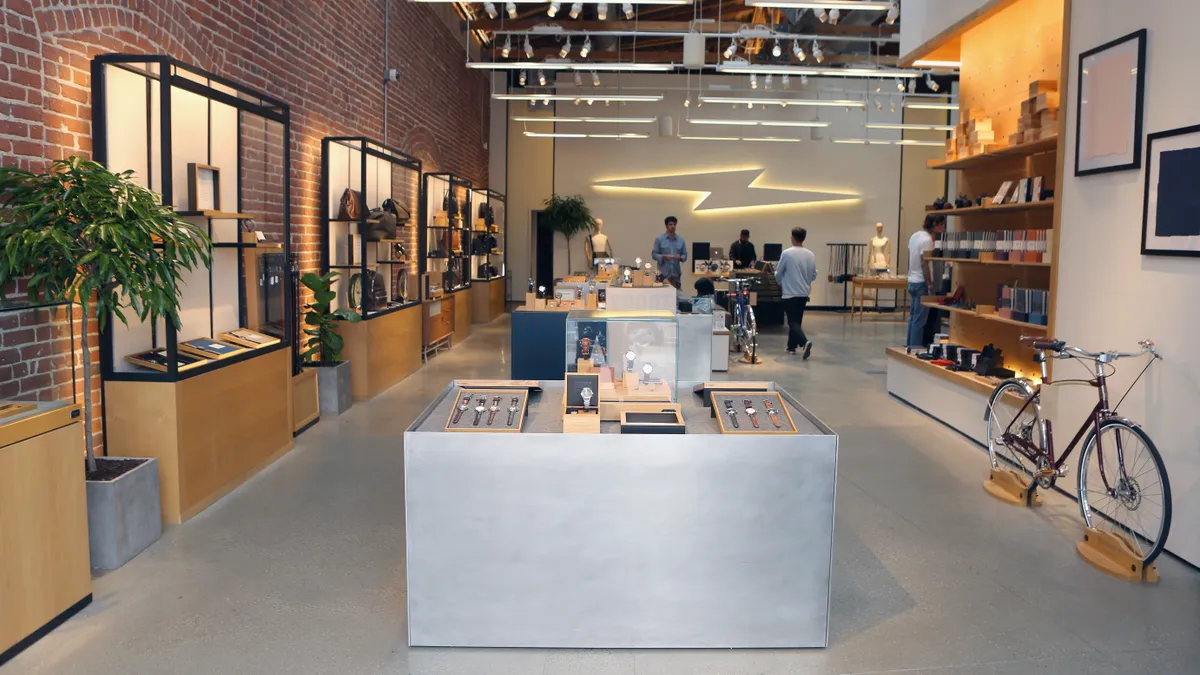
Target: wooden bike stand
x=1009, y=488
x=746, y=358
x=1114, y=556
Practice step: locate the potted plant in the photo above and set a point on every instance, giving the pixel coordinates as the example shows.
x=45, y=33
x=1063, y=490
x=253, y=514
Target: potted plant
x=82, y=233
x=569, y=216
x=323, y=348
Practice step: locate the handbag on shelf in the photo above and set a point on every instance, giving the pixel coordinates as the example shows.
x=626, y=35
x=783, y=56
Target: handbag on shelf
x=398, y=209
x=350, y=207
x=376, y=292
x=383, y=225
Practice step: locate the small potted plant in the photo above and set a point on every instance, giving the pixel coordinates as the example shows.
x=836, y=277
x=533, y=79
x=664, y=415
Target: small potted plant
x=82, y=233
x=323, y=348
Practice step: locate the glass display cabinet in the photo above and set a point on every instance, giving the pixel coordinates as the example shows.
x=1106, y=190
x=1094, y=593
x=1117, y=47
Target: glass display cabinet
x=369, y=234
x=446, y=234
x=636, y=353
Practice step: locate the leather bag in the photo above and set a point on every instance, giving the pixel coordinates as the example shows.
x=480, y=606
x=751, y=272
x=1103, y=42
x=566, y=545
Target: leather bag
x=350, y=207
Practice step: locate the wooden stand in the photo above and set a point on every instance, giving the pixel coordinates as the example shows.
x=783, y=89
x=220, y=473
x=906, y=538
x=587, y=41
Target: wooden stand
x=487, y=299
x=1009, y=488
x=382, y=350
x=643, y=279
x=462, y=316
x=584, y=366
x=1114, y=556
x=581, y=423
x=306, y=403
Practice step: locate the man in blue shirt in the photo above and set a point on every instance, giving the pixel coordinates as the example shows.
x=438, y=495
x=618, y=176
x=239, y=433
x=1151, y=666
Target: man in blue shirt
x=795, y=272
x=670, y=250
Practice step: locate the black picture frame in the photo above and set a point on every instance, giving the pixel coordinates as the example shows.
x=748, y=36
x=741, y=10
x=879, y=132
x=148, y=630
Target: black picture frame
x=1135, y=161
x=1150, y=196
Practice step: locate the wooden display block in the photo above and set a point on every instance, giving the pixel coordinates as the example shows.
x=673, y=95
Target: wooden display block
x=1048, y=118
x=1045, y=101
x=1037, y=87
x=1114, y=556
x=1010, y=488
x=584, y=366
x=643, y=279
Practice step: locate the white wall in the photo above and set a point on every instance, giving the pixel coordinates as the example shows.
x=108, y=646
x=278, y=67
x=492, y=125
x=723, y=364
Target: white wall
x=1109, y=295
x=867, y=175
x=922, y=20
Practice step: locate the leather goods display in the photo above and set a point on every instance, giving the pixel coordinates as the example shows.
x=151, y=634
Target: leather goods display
x=487, y=271
x=351, y=205
x=383, y=225
x=483, y=244
x=376, y=292
x=398, y=209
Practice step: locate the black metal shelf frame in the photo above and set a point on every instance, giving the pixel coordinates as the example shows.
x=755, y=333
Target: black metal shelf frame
x=431, y=185
x=252, y=107
x=396, y=159
x=491, y=198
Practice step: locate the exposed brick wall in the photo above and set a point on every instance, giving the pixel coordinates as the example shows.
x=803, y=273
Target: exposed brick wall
x=323, y=57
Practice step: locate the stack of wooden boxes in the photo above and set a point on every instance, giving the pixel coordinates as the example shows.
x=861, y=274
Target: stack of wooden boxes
x=973, y=136
x=1039, y=114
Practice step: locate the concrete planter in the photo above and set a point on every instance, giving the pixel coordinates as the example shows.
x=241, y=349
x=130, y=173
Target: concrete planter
x=334, y=388
x=124, y=515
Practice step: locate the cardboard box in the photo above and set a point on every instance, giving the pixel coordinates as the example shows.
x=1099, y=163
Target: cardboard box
x=1037, y=87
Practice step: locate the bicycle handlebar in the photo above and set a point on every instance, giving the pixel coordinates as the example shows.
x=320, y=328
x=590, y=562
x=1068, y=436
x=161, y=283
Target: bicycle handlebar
x=1065, y=351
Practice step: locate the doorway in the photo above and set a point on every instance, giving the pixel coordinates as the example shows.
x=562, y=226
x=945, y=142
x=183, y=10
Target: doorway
x=543, y=252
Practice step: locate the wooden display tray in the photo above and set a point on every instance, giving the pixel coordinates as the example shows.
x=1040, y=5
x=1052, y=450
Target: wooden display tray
x=705, y=388
x=500, y=423
x=639, y=422
x=8, y=409
x=244, y=337
x=531, y=385
x=193, y=350
x=987, y=317
x=745, y=426
x=150, y=359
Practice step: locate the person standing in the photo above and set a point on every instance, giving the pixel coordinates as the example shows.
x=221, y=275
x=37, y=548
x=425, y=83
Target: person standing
x=920, y=276
x=795, y=273
x=742, y=252
x=669, y=251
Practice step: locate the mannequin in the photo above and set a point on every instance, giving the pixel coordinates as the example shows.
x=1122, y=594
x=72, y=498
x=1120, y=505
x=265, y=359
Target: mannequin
x=879, y=257
x=597, y=245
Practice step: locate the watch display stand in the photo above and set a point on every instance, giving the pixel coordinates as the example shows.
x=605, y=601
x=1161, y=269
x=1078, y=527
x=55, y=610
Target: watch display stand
x=498, y=410
x=640, y=356
x=751, y=412
x=664, y=420
x=581, y=404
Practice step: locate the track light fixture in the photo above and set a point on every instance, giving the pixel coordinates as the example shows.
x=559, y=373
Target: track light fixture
x=522, y=78
x=899, y=85
x=687, y=102
x=834, y=16
x=595, y=79
x=602, y=11
x=628, y=9
x=893, y=13
x=878, y=105
x=587, y=47
x=576, y=10
x=566, y=48
x=753, y=81
x=511, y=8
x=490, y=8
x=541, y=78
x=892, y=103
x=912, y=86
x=507, y=48
x=785, y=81
x=776, y=51
x=817, y=53
x=798, y=51
x=552, y=11
x=731, y=49
x=823, y=15
x=528, y=48
x=931, y=83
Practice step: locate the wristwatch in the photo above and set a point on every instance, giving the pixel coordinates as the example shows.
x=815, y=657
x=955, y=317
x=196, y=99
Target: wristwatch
x=513, y=409
x=732, y=414
x=462, y=408
x=629, y=357
x=771, y=412
x=586, y=393
x=751, y=412
x=585, y=347
x=492, y=410
x=646, y=370
x=479, y=410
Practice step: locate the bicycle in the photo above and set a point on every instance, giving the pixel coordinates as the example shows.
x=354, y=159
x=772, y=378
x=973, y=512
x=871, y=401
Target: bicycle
x=745, y=328
x=1123, y=485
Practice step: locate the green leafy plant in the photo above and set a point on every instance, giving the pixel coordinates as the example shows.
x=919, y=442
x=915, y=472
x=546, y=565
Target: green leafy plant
x=81, y=233
x=324, y=345
x=569, y=216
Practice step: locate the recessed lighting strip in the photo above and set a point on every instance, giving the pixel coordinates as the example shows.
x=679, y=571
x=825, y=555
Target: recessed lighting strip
x=760, y=123
x=768, y=139
x=569, y=65
x=878, y=141
x=930, y=63
x=911, y=127
x=815, y=102
x=923, y=105
x=535, y=134
x=822, y=4
x=591, y=120
x=629, y=98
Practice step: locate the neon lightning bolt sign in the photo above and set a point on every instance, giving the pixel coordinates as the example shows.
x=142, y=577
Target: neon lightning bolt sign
x=736, y=189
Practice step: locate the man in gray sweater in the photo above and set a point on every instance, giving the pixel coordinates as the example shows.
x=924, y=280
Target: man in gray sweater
x=796, y=271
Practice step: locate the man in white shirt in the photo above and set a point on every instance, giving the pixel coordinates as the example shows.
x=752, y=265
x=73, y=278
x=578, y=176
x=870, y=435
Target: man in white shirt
x=796, y=271
x=920, y=276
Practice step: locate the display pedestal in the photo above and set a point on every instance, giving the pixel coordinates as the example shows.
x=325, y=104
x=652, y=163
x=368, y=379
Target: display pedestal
x=487, y=299
x=306, y=403
x=45, y=573
x=382, y=350
x=1114, y=556
x=1010, y=488
x=463, y=301
x=210, y=432
x=954, y=399
x=641, y=298
x=437, y=324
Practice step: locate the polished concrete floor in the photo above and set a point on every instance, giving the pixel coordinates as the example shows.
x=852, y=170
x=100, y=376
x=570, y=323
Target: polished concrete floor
x=302, y=570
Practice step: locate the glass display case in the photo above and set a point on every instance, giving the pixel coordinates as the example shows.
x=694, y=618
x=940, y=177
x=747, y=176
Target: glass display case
x=216, y=151
x=489, y=232
x=446, y=234
x=636, y=353
x=369, y=234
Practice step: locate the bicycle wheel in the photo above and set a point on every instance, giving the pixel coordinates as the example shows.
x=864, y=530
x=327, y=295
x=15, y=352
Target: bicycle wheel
x=1005, y=414
x=1132, y=501
x=751, y=334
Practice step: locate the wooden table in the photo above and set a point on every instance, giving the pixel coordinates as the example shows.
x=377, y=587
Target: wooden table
x=858, y=292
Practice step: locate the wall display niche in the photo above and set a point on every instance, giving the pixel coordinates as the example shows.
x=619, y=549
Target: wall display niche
x=1112, y=81
x=1169, y=223
x=369, y=237
x=201, y=140
x=488, y=235
x=446, y=235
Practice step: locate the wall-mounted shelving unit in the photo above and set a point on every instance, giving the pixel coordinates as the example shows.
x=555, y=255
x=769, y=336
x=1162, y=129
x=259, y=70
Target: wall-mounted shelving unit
x=489, y=255
x=446, y=222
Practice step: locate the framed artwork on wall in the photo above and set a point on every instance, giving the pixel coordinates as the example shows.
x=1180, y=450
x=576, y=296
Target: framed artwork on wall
x=1169, y=222
x=1108, y=129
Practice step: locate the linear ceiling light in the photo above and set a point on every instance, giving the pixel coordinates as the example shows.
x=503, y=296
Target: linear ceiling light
x=628, y=98
x=842, y=3
x=769, y=139
x=877, y=141
x=930, y=63
x=761, y=123
x=534, y=134
x=568, y=65
x=822, y=4
x=745, y=68
x=924, y=105
x=826, y=103
x=911, y=127
x=592, y=120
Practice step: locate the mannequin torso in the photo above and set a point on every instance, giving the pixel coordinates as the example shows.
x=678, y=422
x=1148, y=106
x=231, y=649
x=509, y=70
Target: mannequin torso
x=597, y=245
x=879, y=252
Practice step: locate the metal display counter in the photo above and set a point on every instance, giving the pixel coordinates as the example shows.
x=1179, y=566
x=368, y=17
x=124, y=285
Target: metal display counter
x=613, y=540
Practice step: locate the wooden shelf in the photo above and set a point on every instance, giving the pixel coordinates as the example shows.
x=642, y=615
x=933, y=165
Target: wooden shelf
x=978, y=383
x=215, y=214
x=993, y=210
x=1023, y=150
x=986, y=317
x=1009, y=263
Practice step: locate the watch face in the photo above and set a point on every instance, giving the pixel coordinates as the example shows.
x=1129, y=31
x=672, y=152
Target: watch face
x=750, y=411
x=647, y=369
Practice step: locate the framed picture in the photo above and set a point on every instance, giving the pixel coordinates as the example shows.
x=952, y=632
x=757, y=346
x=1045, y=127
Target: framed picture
x=1169, y=222
x=204, y=187
x=1112, y=79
